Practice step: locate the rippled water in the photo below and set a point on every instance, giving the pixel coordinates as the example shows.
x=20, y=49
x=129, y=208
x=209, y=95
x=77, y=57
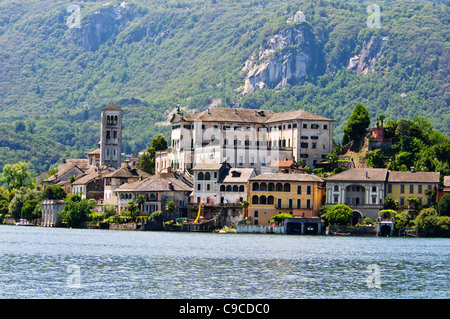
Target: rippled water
x=39, y=262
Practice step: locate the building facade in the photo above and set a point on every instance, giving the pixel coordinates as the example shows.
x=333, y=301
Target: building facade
x=220, y=184
x=111, y=136
x=300, y=195
x=246, y=138
x=362, y=189
x=404, y=185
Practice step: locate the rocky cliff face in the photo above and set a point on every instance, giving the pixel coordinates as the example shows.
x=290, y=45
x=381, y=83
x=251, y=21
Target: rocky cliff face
x=364, y=63
x=287, y=57
x=99, y=26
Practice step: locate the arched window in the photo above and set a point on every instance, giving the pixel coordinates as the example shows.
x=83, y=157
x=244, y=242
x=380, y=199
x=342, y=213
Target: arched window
x=255, y=186
x=263, y=186
x=115, y=120
x=201, y=176
x=108, y=119
x=207, y=176
x=255, y=200
x=222, y=188
x=279, y=187
x=263, y=200
x=271, y=187
x=287, y=187
x=241, y=188
x=235, y=188
x=270, y=200
x=228, y=188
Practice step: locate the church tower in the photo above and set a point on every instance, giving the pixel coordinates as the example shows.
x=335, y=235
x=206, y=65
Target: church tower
x=111, y=136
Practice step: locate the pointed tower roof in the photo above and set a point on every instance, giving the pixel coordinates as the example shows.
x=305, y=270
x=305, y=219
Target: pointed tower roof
x=112, y=107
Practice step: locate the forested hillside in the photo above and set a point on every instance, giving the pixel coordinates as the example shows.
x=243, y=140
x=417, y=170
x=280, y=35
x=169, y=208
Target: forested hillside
x=148, y=56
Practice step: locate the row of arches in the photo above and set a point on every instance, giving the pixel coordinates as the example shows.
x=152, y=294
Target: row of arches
x=111, y=119
x=230, y=188
x=271, y=187
x=263, y=200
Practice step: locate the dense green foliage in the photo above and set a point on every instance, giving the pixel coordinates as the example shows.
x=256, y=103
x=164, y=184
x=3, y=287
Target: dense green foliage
x=55, y=79
x=357, y=124
x=76, y=210
x=339, y=214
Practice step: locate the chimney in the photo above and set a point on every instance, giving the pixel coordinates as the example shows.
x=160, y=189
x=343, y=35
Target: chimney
x=413, y=169
x=209, y=111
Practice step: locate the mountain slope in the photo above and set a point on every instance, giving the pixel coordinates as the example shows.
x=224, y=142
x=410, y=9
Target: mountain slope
x=149, y=56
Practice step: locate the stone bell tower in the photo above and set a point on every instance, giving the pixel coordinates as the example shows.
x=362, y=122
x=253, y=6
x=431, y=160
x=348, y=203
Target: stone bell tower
x=111, y=136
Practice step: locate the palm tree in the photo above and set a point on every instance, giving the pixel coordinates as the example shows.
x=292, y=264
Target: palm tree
x=245, y=205
x=140, y=200
x=170, y=209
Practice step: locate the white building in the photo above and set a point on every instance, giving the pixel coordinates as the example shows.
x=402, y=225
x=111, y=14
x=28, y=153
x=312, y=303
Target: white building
x=246, y=138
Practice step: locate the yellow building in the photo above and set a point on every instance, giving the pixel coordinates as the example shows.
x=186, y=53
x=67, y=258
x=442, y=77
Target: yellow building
x=404, y=185
x=300, y=195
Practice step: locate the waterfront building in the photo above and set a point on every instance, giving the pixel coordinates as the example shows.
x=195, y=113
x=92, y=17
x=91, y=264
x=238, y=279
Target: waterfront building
x=246, y=138
x=65, y=171
x=220, y=184
x=362, y=189
x=157, y=190
x=127, y=173
x=300, y=195
x=91, y=184
x=412, y=184
x=50, y=212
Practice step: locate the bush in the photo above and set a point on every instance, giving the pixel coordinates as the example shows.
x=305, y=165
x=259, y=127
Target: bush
x=339, y=214
x=278, y=219
x=387, y=213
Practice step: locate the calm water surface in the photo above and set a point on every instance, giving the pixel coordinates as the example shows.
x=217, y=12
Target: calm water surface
x=40, y=262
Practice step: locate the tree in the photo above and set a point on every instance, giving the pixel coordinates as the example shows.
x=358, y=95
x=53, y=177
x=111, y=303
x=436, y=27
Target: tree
x=357, y=124
x=444, y=205
x=391, y=203
x=339, y=214
x=16, y=175
x=140, y=200
x=279, y=218
x=147, y=161
x=54, y=192
x=244, y=205
x=21, y=195
x=29, y=211
x=170, y=208
x=76, y=210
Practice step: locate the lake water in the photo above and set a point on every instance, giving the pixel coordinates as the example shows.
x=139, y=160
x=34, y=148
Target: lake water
x=37, y=262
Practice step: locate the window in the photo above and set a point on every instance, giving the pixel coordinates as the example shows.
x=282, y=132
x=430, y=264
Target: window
x=256, y=214
x=199, y=186
x=299, y=203
x=411, y=189
x=304, y=145
x=336, y=188
x=314, y=145
x=208, y=187
x=305, y=125
x=374, y=189
x=315, y=126
x=402, y=189
x=200, y=176
x=241, y=188
x=207, y=176
x=389, y=188
x=308, y=203
x=299, y=189
x=222, y=188
x=304, y=137
x=254, y=200
x=279, y=202
x=419, y=189
x=290, y=202
x=325, y=127
x=336, y=199
x=235, y=188
x=308, y=190
x=314, y=137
